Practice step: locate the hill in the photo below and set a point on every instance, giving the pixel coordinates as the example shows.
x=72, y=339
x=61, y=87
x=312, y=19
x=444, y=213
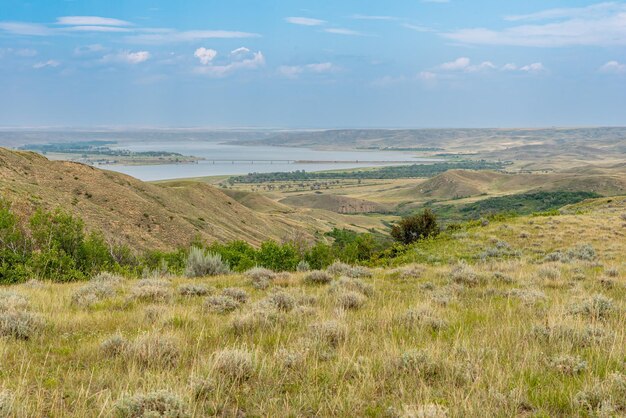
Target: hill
x=335, y=203
x=128, y=210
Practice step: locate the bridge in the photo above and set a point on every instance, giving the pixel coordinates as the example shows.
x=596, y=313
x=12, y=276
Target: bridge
x=280, y=161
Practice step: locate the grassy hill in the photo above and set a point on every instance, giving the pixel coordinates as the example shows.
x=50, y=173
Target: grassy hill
x=141, y=214
x=531, y=323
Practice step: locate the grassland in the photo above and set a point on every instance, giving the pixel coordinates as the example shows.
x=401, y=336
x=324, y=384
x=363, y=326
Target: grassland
x=531, y=324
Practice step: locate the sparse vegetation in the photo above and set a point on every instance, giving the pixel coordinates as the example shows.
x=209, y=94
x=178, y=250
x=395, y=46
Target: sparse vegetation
x=529, y=334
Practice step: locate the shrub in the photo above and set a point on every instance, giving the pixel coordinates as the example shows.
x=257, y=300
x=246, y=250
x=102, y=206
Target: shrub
x=568, y=365
x=91, y=293
x=338, y=268
x=528, y=297
x=6, y=403
x=234, y=363
x=153, y=404
x=236, y=293
x=596, y=307
x=193, y=289
x=604, y=398
x=220, y=304
x=152, y=290
x=350, y=300
x=582, y=252
x=420, y=364
x=201, y=263
x=464, y=274
x=359, y=271
x=549, y=272
x=105, y=277
x=11, y=301
x=356, y=285
x=202, y=388
x=329, y=332
x=281, y=300
x=415, y=227
x=423, y=317
x=278, y=257
x=155, y=350
x=303, y=266
x=114, y=346
x=318, y=277
x=19, y=324
x=260, y=277
x=259, y=318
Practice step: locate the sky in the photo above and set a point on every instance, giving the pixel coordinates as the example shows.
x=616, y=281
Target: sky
x=312, y=64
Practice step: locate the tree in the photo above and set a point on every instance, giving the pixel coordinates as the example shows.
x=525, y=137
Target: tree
x=415, y=227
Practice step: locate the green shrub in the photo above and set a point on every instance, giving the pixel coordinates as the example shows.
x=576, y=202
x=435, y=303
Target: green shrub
x=415, y=227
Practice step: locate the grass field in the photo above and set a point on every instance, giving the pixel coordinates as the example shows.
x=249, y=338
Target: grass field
x=532, y=324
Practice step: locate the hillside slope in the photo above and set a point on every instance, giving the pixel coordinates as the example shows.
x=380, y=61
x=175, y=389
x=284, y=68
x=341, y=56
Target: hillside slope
x=128, y=210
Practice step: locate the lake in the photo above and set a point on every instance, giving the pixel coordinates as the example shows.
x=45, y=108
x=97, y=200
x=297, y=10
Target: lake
x=228, y=159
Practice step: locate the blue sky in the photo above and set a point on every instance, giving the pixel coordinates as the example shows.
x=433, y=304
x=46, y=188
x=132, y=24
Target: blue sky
x=312, y=64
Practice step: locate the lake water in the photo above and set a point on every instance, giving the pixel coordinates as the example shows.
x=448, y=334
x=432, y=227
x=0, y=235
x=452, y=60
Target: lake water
x=214, y=151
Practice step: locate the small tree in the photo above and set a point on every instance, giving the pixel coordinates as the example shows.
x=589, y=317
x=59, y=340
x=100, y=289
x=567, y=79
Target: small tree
x=415, y=227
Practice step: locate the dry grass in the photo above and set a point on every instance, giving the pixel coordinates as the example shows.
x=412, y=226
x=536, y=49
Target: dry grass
x=500, y=337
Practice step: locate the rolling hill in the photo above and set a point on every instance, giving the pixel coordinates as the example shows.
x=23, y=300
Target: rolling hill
x=128, y=210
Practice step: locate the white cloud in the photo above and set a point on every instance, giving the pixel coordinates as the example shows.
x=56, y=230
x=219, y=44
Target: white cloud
x=205, y=55
x=49, y=63
x=293, y=71
x=427, y=76
x=240, y=51
x=613, y=67
x=127, y=57
x=342, y=31
x=602, y=24
x=533, y=68
x=90, y=21
x=240, y=61
x=163, y=36
x=24, y=28
x=305, y=21
x=26, y=52
x=509, y=67
x=597, y=10
x=458, y=64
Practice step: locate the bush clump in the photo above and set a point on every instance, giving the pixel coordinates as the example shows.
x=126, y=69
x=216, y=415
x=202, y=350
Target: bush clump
x=152, y=290
x=106, y=277
x=318, y=277
x=415, y=227
x=464, y=274
x=21, y=325
x=155, y=350
x=596, y=307
x=260, y=277
x=282, y=301
x=303, y=266
x=220, y=304
x=234, y=363
x=236, y=293
x=330, y=332
x=202, y=263
x=193, y=289
x=154, y=404
x=351, y=284
x=349, y=299
x=92, y=292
